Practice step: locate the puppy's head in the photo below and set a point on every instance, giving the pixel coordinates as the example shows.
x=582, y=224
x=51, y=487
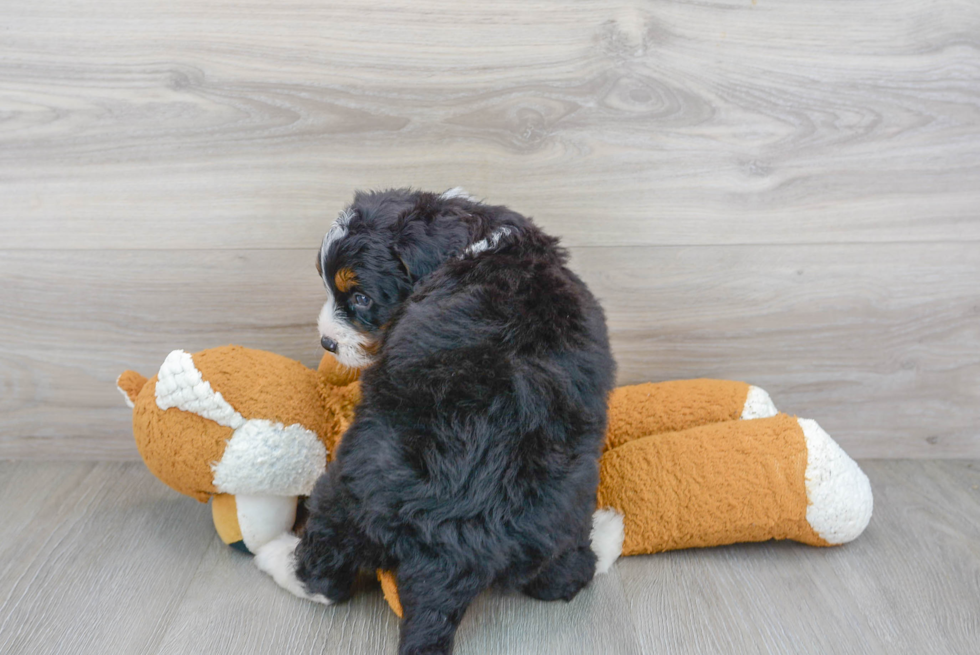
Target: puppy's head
x=377, y=249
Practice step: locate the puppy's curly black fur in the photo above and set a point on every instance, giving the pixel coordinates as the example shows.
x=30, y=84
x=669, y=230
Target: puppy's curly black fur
x=473, y=457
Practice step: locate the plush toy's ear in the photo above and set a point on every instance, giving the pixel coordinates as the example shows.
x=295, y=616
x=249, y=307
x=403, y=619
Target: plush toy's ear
x=130, y=383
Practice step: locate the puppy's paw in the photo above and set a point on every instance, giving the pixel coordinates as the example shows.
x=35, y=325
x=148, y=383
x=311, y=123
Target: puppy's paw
x=278, y=559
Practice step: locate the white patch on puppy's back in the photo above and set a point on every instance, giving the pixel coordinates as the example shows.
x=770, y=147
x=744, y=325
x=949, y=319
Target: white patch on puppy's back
x=457, y=192
x=490, y=242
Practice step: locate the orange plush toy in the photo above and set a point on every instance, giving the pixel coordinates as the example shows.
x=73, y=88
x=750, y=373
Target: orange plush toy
x=248, y=429
x=686, y=463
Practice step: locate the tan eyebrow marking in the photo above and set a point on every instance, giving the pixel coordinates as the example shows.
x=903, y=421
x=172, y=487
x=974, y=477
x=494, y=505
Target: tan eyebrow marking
x=344, y=279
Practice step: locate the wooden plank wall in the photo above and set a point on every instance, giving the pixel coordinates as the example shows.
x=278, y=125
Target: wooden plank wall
x=787, y=193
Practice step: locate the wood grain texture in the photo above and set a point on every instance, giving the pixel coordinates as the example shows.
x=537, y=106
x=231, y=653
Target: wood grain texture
x=231, y=607
x=69, y=325
x=908, y=585
x=880, y=345
x=101, y=564
x=104, y=558
x=185, y=124
x=784, y=193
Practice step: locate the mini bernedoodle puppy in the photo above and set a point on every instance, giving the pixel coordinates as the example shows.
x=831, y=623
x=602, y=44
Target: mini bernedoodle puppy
x=472, y=460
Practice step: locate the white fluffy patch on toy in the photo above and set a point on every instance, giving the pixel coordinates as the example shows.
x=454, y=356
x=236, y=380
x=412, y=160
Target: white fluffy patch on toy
x=607, y=538
x=263, y=518
x=277, y=558
x=181, y=385
x=266, y=458
x=350, y=343
x=758, y=404
x=839, y=499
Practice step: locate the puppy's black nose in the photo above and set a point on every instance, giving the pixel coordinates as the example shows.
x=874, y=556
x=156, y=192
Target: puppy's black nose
x=328, y=344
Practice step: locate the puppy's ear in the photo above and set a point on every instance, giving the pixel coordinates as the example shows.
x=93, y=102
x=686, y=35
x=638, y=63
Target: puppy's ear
x=405, y=264
x=429, y=234
x=419, y=253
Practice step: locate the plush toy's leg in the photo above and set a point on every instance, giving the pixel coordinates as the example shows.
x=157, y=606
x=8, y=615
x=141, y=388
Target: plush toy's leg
x=263, y=518
x=640, y=410
x=434, y=595
x=247, y=522
x=224, y=513
x=606, y=538
x=839, y=498
x=773, y=478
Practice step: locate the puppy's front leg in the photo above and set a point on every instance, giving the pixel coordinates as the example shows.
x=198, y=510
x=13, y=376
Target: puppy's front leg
x=333, y=547
x=434, y=596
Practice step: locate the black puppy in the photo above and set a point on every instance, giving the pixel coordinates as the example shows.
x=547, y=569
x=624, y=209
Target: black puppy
x=472, y=459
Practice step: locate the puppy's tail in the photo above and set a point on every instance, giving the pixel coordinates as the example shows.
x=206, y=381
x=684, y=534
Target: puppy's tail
x=130, y=383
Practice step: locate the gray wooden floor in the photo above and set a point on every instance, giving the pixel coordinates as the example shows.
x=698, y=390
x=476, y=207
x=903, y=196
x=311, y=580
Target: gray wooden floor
x=102, y=558
x=781, y=192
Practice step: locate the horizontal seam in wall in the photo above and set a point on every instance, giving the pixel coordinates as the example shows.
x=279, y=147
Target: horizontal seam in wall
x=941, y=242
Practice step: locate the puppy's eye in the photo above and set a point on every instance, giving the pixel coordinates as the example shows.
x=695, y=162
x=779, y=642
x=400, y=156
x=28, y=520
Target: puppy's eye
x=361, y=301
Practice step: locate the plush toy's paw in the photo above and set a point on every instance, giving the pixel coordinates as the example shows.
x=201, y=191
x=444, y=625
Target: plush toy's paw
x=758, y=404
x=278, y=559
x=839, y=499
x=607, y=538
